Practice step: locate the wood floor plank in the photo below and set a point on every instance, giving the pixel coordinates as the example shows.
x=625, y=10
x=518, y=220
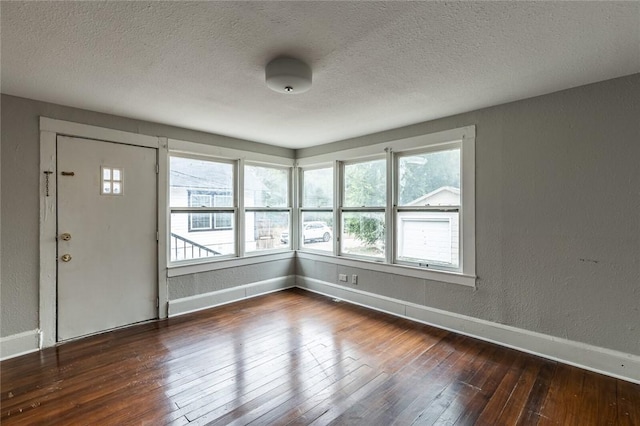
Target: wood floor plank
x=298, y=358
x=518, y=374
x=600, y=400
x=628, y=403
x=445, y=407
x=563, y=398
x=529, y=412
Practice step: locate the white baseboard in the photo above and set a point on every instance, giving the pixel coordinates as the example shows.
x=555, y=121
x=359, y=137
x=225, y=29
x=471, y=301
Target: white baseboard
x=19, y=344
x=600, y=360
x=198, y=302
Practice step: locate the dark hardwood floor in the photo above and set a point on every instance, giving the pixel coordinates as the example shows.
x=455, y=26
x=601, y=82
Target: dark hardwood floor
x=297, y=358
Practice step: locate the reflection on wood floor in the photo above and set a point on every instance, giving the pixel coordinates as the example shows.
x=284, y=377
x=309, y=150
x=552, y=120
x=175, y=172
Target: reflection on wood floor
x=294, y=357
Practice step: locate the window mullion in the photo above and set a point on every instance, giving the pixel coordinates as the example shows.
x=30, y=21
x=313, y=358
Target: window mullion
x=240, y=215
x=295, y=202
x=391, y=201
x=337, y=205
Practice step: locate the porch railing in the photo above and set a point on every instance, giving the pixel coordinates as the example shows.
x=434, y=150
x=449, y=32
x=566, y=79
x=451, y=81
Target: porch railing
x=189, y=249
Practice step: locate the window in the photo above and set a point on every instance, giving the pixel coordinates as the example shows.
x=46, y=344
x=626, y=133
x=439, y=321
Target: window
x=363, y=209
x=201, y=200
x=111, y=181
x=200, y=221
x=222, y=220
x=267, y=211
x=317, y=209
x=209, y=221
x=408, y=205
x=428, y=208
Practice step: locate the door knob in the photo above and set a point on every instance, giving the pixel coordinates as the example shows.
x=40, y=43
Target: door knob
x=65, y=237
x=65, y=257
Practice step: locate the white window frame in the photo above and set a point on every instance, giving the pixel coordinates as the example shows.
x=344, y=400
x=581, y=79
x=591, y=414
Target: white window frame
x=465, y=274
x=397, y=209
x=211, y=210
x=239, y=158
x=342, y=209
x=299, y=242
x=258, y=209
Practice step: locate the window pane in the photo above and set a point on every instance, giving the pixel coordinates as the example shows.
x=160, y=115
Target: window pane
x=266, y=230
x=428, y=238
x=317, y=230
x=116, y=174
x=430, y=179
x=363, y=234
x=265, y=187
x=188, y=243
x=365, y=184
x=191, y=181
x=318, y=188
x=106, y=173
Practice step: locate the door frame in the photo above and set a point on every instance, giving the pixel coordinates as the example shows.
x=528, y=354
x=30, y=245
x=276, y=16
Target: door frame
x=50, y=129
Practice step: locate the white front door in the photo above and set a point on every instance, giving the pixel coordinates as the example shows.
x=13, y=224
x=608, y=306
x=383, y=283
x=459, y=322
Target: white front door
x=107, y=248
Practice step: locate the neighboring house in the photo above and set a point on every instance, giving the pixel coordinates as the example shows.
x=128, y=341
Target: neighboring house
x=431, y=236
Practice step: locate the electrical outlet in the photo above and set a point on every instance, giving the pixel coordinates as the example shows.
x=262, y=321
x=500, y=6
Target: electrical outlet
x=354, y=279
x=343, y=277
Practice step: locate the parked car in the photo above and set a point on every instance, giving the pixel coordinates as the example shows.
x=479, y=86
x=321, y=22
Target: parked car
x=311, y=231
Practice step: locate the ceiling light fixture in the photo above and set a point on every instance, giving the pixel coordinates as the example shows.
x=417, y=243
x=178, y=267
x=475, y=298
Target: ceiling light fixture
x=288, y=75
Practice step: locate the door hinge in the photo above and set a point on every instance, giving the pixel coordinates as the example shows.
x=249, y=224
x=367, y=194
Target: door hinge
x=157, y=236
x=157, y=302
x=157, y=168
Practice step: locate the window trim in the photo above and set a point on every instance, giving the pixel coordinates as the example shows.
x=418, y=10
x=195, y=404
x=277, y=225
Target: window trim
x=212, y=210
x=288, y=207
x=465, y=137
x=397, y=208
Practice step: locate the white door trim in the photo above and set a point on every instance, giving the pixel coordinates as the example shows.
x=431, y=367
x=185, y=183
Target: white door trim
x=49, y=130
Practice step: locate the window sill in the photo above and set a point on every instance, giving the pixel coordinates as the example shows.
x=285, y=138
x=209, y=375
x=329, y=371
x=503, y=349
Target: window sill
x=198, y=266
x=407, y=271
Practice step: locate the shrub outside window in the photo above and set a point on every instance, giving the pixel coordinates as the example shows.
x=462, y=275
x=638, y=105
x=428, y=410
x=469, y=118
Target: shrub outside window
x=363, y=209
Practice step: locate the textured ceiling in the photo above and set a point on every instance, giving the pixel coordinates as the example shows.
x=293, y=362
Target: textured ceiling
x=377, y=65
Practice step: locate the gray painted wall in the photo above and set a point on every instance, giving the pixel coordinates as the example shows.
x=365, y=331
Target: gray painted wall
x=20, y=157
x=206, y=282
x=557, y=217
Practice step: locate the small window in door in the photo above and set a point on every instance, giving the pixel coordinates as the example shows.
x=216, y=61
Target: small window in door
x=111, y=181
